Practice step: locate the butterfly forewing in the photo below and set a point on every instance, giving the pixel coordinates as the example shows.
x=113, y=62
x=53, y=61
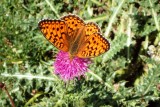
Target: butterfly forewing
x=94, y=46
x=55, y=31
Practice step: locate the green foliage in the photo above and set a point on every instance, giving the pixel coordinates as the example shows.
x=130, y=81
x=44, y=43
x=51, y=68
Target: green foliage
x=128, y=75
x=116, y=45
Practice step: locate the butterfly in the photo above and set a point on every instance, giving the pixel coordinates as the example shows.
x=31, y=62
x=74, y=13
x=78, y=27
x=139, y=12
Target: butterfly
x=71, y=34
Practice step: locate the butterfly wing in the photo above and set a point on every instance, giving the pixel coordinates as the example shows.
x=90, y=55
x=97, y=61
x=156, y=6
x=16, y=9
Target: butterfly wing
x=55, y=31
x=73, y=23
x=91, y=28
x=94, y=43
x=94, y=46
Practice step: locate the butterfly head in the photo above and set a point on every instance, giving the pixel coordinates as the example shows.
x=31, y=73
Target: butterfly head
x=71, y=57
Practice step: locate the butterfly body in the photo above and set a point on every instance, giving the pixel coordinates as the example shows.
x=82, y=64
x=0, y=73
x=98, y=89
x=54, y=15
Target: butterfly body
x=72, y=35
x=76, y=44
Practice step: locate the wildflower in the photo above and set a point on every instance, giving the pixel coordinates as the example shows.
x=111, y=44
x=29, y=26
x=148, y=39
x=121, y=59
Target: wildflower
x=68, y=68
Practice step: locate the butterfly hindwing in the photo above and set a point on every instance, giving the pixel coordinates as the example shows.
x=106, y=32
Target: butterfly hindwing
x=91, y=28
x=73, y=23
x=55, y=31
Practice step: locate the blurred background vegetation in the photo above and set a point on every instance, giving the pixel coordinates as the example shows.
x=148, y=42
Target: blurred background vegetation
x=128, y=75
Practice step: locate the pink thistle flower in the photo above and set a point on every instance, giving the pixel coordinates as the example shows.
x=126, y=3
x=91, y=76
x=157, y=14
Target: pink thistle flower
x=68, y=69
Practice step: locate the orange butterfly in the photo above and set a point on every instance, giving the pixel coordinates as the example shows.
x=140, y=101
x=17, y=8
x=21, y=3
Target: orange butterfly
x=71, y=34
